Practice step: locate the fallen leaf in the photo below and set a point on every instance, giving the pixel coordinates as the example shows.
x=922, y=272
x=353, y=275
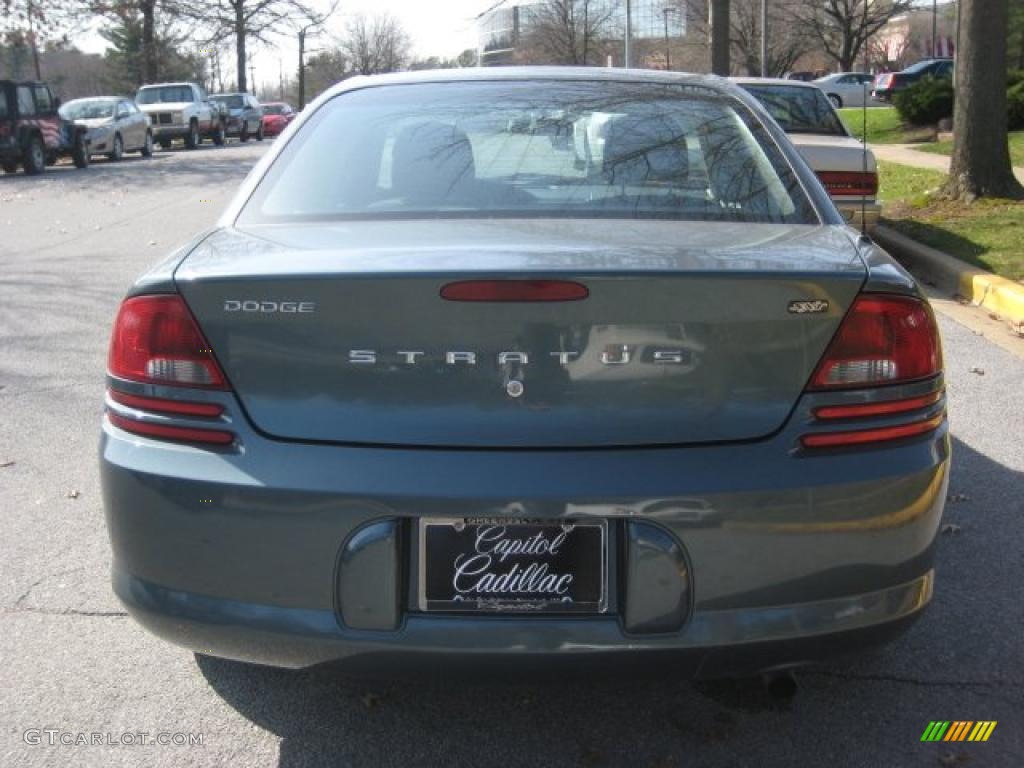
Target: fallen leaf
x=370, y=700
x=72, y=494
x=951, y=528
x=977, y=370
x=6, y=463
x=957, y=497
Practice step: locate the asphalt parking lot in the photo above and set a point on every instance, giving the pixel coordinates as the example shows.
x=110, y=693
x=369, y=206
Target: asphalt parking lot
x=71, y=661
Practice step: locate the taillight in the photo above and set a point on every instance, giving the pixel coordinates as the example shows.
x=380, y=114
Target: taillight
x=850, y=183
x=157, y=341
x=514, y=290
x=883, y=340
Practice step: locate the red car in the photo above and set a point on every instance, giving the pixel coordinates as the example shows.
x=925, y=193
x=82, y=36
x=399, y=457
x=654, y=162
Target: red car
x=276, y=116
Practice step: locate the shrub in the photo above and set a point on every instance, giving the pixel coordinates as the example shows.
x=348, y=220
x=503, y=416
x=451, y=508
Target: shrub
x=1015, y=106
x=925, y=102
x=1014, y=77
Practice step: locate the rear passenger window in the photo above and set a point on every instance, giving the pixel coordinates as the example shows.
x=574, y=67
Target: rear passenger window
x=26, y=104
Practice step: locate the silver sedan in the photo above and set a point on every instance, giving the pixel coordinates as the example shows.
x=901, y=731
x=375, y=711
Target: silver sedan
x=115, y=125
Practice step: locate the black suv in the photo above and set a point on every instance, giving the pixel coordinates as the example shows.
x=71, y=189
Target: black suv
x=32, y=134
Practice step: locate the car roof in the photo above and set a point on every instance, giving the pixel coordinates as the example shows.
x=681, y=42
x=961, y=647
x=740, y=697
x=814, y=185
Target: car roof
x=499, y=74
x=163, y=85
x=772, y=81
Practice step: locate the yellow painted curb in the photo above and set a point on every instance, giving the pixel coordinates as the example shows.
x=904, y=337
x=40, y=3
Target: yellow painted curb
x=997, y=295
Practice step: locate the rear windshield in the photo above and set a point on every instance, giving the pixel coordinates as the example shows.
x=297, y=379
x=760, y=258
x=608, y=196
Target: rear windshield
x=88, y=109
x=165, y=94
x=275, y=109
x=232, y=102
x=508, y=149
x=798, y=109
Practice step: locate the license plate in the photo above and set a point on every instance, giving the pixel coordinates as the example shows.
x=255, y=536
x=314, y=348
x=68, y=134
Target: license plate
x=503, y=565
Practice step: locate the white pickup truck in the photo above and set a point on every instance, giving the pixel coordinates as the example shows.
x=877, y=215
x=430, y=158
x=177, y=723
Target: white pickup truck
x=181, y=111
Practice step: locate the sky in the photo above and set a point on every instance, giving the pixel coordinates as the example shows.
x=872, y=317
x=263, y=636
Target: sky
x=437, y=28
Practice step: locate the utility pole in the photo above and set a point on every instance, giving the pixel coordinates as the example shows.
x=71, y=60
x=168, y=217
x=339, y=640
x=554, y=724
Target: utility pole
x=302, y=68
x=280, y=79
x=252, y=78
x=935, y=13
x=628, y=47
x=668, y=55
x=764, y=38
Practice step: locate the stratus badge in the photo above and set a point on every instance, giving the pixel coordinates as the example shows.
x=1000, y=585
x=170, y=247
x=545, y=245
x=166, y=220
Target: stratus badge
x=807, y=307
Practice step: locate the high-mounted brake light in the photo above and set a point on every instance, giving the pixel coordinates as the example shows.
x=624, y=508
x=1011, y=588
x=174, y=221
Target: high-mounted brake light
x=514, y=290
x=850, y=182
x=884, y=339
x=157, y=341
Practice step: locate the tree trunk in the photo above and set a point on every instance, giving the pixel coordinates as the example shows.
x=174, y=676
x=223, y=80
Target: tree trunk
x=239, y=6
x=981, y=157
x=149, y=62
x=720, y=37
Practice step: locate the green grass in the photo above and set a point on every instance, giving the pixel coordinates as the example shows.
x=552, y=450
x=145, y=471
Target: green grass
x=987, y=233
x=884, y=126
x=1016, y=148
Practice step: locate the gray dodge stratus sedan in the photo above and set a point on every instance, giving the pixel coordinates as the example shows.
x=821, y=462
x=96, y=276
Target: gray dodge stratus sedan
x=544, y=364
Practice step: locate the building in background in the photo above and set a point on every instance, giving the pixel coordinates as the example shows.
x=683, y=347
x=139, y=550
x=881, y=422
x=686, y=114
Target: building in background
x=505, y=27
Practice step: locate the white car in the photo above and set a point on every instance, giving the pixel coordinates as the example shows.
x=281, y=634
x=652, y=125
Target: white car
x=845, y=166
x=848, y=89
x=181, y=111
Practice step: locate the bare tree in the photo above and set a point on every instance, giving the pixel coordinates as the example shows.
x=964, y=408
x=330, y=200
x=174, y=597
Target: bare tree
x=842, y=27
x=981, y=157
x=31, y=23
x=309, y=23
x=244, y=21
x=785, y=43
x=375, y=44
x=567, y=31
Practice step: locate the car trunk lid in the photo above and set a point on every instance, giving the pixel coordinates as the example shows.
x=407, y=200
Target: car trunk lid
x=690, y=332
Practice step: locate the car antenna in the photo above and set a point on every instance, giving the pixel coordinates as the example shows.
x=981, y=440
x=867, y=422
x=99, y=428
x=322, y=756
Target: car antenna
x=864, y=156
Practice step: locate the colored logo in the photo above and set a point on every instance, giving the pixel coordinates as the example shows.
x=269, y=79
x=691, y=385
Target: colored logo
x=958, y=730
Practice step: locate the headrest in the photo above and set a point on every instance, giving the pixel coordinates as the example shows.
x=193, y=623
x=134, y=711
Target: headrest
x=644, y=148
x=432, y=162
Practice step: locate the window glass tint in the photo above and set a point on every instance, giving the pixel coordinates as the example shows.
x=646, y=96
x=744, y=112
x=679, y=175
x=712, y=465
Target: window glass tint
x=4, y=111
x=44, y=102
x=581, y=149
x=26, y=104
x=87, y=109
x=798, y=110
x=164, y=94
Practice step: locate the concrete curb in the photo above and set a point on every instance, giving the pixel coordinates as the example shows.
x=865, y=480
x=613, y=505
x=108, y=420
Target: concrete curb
x=999, y=296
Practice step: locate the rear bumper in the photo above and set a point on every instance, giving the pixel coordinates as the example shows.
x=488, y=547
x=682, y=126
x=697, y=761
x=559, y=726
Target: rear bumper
x=257, y=553
x=860, y=217
x=759, y=639
x=170, y=131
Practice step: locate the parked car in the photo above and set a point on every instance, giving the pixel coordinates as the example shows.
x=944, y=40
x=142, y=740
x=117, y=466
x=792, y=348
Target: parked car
x=801, y=76
x=32, y=132
x=276, y=116
x=668, y=411
x=244, y=115
x=890, y=83
x=115, y=125
x=847, y=89
x=181, y=111
x=844, y=165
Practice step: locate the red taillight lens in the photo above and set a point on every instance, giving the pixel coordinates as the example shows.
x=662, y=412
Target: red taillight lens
x=157, y=341
x=883, y=340
x=171, y=432
x=850, y=183
x=514, y=290
x=169, y=407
